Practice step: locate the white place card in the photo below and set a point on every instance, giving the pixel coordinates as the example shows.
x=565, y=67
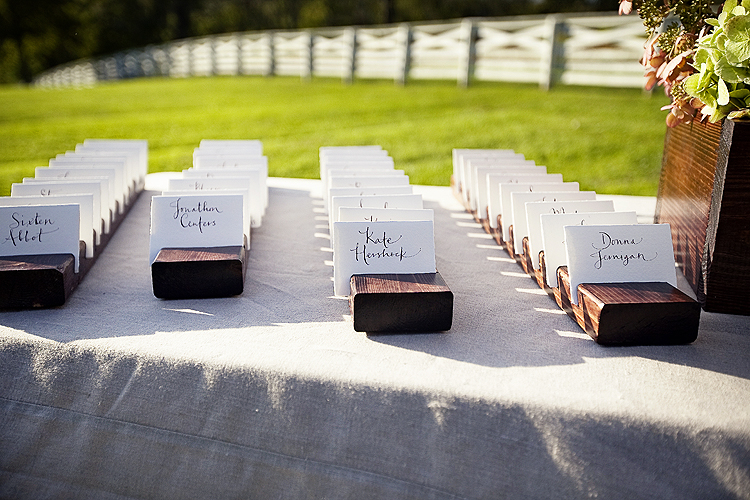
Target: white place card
x=52, y=188
x=386, y=201
x=478, y=170
x=358, y=214
x=368, y=191
x=534, y=210
x=465, y=171
x=255, y=175
x=40, y=230
x=262, y=166
x=553, y=235
x=83, y=174
x=520, y=224
x=140, y=145
x=326, y=166
x=488, y=196
x=459, y=154
x=619, y=254
x=195, y=220
x=252, y=205
x=394, y=247
x=86, y=212
x=478, y=190
x=506, y=200
x=250, y=146
x=120, y=165
x=133, y=167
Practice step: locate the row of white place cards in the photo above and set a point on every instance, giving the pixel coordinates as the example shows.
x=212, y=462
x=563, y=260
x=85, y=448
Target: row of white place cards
x=77, y=197
x=215, y=203
x=572, y=227
x=377, y=224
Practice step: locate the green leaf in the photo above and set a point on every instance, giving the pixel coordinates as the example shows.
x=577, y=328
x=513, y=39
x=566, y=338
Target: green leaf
x=723, y=98
x=712, y=22
x=690, y=84
x=737, y=46
x=701, y=55
x=740, y=93
x=729, y=72
x=729, y=6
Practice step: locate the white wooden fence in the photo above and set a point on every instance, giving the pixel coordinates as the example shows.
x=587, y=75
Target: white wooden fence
x=601, y=50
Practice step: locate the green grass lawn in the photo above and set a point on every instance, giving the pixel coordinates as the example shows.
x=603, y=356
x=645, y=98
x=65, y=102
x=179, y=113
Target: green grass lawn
x=609, y=140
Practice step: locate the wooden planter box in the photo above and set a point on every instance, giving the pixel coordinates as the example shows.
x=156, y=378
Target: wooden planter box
x=704, y=194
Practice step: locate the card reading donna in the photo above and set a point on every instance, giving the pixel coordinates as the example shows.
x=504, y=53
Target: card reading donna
x=195, y=220
x=619, y=254
x=40, y=230
x=383, y=247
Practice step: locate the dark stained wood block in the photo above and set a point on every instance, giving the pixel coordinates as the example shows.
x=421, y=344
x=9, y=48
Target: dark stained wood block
x=36, y=281
x=509, y=247
x=497, y=232
x=198, y=273
x=395, y=303
x=631, y=313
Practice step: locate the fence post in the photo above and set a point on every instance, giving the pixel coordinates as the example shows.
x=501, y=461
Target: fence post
x=238, y=42
x=214, y=62
x=468, y=40
x=350, y=43
x=406, y=32
x=271, y=68
x=309, y=55
x=549, y=72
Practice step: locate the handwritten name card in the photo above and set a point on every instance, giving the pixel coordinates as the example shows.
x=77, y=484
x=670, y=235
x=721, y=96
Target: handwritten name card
x=85, y=203
x=619, y=254
x=529, y=176
x=51, y=188
x=40, y=230
x=538, y=186
x=535, y=210
x=195, y=220
x=122, y=189
x=395, y=247
x=361, y=192
x=553, y=235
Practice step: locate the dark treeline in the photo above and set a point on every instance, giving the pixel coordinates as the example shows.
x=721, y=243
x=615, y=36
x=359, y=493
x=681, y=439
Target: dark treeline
x=38, y=34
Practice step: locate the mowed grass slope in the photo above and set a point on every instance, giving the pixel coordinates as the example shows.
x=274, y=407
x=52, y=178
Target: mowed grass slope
x=609, y=140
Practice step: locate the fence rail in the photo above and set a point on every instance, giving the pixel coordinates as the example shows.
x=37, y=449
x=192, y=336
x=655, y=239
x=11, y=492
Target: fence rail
x=597, y=49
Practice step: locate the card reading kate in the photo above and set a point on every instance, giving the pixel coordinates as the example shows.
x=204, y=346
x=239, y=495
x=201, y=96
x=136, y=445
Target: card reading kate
x=619, y=254
x=393, y=247
x=40, y=230
x=195, y=220
x=553, y=235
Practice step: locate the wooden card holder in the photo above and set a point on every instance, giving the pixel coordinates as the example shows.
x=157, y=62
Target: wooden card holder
x=631, y=313
x=527, y=263
x=41, y=281
x=398, y=303
x=199, y=273
x=497, y=233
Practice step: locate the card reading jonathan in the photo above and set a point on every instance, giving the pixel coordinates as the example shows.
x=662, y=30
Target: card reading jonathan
x=619, y=254
x=195, y=220
x=381, y=247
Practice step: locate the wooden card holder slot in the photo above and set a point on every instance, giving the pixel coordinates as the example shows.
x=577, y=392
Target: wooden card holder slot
x=199, y=273
x=631, y=313
x=40, y=281
x=497, y=233
x=539, y=275
x=510, y=248
x=399, y=303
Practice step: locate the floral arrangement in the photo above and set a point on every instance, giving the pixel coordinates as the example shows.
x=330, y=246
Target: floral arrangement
x=702, y=60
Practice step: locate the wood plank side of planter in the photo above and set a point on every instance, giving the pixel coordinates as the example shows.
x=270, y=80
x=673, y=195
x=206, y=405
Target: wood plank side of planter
x=703, y=196
x=727, y=252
